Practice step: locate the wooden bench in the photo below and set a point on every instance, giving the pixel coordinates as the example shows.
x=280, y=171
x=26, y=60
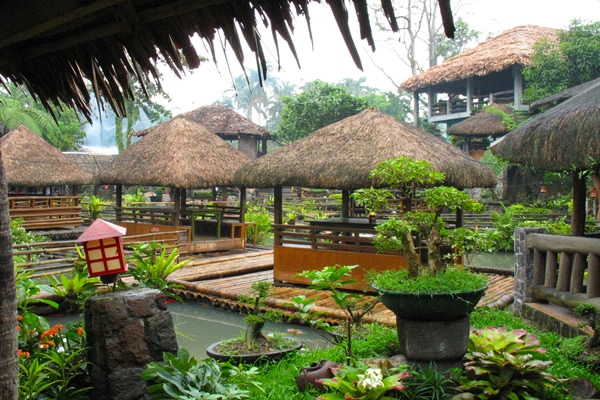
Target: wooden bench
x=236, y=227
x=48, y=218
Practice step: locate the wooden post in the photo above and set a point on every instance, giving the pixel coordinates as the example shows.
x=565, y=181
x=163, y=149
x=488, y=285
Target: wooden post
x=243, y=205
x=278, y=205
x=579, y=214
x=345, y=203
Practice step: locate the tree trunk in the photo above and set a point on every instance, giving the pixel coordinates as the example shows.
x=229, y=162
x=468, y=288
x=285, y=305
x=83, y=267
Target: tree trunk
x=9, y=361
x=411, y=255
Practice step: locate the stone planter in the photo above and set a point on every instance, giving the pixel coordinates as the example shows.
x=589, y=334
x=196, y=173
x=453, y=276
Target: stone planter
x=433, y=328
x=213, y=351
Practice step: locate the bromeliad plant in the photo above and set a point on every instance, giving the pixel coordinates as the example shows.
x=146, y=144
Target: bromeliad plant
x=364, y=382
x=73, y=290
x=504, y=364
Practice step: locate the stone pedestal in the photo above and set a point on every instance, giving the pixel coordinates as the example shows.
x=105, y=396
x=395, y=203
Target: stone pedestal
x=441, y=342
x=125, y=331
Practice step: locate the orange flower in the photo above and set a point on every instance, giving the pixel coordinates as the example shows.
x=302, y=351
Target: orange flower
x=80, y=331
x=43, y=345
x=18, y=328
x=20, y=317
x=23, y=353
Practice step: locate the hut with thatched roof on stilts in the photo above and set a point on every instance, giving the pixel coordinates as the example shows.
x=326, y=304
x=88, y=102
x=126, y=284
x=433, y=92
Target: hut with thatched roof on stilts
x=341, y=156
x=30, y=161
x=179, y=154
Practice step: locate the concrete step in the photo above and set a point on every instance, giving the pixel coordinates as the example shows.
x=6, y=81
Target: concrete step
x=554, y=318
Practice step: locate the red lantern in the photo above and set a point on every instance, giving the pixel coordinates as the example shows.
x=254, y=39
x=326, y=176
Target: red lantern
x=593, y=193
x=103, y=249
x=543, y=189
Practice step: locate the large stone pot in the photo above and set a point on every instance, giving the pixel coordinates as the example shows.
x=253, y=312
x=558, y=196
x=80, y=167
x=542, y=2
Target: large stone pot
x=213, y=351
x=433, y=328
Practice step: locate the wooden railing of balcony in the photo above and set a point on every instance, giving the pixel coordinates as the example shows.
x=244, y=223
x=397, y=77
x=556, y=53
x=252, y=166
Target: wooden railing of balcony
x=46, y=212
x=566, y=269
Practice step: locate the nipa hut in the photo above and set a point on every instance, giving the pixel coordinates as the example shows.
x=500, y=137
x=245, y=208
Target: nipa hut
x=178, y=153
x=31, y=161
x=564, y=138
x=230, y=126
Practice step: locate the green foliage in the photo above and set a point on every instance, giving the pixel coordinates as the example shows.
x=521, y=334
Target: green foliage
x=95, y=205
x=28, y=291
x=503, y=364
x=374, y=200
x=52, y=362
x=73, y=290
x=152, y=266
x=183, y=377
x=557, y=66
x=368, y=382
x=453, y=280
x=137, y=197
x=431, y=384
x=320, y=105
x=260, y=215
x=334, y=279
x=257, y=315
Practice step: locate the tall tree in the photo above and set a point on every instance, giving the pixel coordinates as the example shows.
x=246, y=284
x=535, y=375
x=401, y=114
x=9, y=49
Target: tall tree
x=319, y=105
x=558, y=65
x=9, y=362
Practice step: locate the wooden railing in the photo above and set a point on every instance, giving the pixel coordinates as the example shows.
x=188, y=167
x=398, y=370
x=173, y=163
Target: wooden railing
x=46, y=212
x=566, y=269
x=327, y=238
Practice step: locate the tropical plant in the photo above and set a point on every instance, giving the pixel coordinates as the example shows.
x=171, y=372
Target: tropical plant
x=374, y=200
x=405, y=230
x=257, y=315
x=260, y=215
x=137, y=197
x=353, y=306
x=73, y=290
x=368, y=382
x=152, y=265
x=95, y=205
x=183, y=377
x=503, y=364
x=52, y=362
x=431, y=384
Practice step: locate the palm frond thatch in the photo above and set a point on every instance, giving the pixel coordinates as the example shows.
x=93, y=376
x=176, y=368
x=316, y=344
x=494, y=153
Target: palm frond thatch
x=177, y=153
x=62, y=46
x=566, y=137
x=220, y=120
x=31, y=161
x=484, y=123
x=341, y=156
x=511, y=47
x=551, y=101
x=92, y=163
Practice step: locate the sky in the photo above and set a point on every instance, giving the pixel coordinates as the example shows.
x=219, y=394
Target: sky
x=328, y=59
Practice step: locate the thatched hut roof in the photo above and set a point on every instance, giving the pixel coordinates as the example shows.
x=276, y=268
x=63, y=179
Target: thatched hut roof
x=484, y=123
x=91, y=162
x=511, y=47
x=59, y=47
x=31, y=161
x=178, y=153
x=342, y=154
x=222, y=121
x=551, y=101
x=566, y=137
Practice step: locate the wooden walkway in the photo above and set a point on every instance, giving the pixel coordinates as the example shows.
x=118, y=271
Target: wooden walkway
x=219, y=281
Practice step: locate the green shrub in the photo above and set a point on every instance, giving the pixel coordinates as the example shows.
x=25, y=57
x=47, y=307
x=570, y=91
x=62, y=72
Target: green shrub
x=260, y=215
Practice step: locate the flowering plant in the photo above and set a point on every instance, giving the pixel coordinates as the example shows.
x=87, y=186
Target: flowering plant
x=52, y=361
x=364, y=382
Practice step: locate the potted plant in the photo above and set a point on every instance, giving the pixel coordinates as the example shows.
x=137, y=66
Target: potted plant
x=434, y=296
x=254, y=345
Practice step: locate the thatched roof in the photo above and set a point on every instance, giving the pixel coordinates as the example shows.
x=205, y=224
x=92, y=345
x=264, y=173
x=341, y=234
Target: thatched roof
x=551, y=101
x=512, y=47
x=222, y=121
x=90, y=162
x=178, y=153
x=56, y=48
x=341, y=156
x=566, y=137
x=31, y=161
x=484, y=123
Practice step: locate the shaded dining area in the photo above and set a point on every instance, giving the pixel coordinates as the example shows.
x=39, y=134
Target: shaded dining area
x=341, y=156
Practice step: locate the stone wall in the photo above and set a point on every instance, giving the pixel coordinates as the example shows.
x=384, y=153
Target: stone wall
x=125, y=331
x=523, y=267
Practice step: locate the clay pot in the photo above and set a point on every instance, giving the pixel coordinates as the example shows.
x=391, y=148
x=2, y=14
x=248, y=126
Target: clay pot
x=310, y=375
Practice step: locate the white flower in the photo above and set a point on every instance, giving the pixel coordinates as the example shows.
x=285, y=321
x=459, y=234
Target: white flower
x=371, y=379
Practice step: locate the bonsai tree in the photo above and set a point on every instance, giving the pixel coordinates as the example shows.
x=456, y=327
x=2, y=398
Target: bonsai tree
x=406, y=230
x=256, y=314
x=373, y=200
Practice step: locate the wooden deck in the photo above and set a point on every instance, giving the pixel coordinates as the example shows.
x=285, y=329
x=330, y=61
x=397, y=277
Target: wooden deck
x=219, y=281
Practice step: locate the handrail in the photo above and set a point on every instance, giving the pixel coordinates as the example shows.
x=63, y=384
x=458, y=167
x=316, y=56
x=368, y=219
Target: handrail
x=560, y=264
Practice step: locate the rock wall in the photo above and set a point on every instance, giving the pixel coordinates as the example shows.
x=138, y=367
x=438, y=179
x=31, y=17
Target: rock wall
x=125, y=331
